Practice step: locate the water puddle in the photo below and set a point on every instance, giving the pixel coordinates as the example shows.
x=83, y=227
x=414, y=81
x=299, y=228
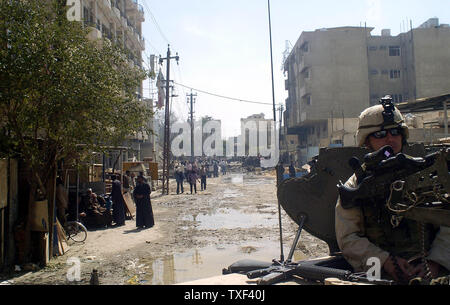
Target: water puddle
x=228, y=193
x=237, y=178
x=225, y=218
x=204, y=263
x=248, y=180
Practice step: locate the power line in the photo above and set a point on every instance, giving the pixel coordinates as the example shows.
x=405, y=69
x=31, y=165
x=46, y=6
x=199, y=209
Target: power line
x=155, y=22
x=224, y=97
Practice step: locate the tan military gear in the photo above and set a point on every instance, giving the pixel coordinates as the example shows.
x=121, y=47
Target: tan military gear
x=357, y=247
x=371, y=120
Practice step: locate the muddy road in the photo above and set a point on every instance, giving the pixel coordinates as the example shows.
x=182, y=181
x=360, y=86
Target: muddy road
x=195, y=236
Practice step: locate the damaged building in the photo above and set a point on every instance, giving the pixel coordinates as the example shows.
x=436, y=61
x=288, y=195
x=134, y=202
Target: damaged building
x=333, y=74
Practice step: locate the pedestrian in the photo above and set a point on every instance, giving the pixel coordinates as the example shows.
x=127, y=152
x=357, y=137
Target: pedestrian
x=292, y=170
x=216, y=169
x=223, y=166
x=94, y=214
x=126, y=180
x=192, y=178
x=210, y=169
x=144, y=211
x=118, y=207
x=179, y=177
x=132, y=180
x=203, y=178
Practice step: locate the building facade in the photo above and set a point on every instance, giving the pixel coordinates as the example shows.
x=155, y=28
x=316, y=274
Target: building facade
x=335, y=73
x=120, y=21
x=256, y=135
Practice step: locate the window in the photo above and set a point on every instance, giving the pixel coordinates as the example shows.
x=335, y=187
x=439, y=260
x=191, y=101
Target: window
x=374, y=71
x=305, y=47
x=305, y=72
x=397, y=98
x=394, y=51
x=307, y=100
x=394, y=74
x=373, y=48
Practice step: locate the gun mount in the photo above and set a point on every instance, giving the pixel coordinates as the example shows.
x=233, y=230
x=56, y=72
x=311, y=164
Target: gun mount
x=405, y=183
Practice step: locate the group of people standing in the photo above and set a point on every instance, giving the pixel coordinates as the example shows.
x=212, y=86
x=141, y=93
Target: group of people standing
x=193, y=172
x=96, y=211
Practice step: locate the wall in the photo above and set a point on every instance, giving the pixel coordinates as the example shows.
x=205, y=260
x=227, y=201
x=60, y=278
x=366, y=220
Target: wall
x=432, y=61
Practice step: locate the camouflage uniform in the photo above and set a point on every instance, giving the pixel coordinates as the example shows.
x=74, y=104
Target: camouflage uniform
x=364, y=232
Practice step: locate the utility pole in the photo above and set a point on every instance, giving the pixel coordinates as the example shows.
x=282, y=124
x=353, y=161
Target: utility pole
x=166, y=148
x=190, y=98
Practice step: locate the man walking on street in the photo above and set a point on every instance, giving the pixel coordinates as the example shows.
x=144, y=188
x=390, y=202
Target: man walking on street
x=192, y=178
x=179, y=177
x=203, y=178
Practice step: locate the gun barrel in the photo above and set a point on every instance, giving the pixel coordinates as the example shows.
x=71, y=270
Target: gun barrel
x=259, y=273
x=320, y=273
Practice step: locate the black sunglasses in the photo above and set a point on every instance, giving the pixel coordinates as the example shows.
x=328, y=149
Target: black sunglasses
x=383, y=133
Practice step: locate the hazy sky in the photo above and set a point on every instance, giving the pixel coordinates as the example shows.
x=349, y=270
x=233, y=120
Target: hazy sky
x=224, y=44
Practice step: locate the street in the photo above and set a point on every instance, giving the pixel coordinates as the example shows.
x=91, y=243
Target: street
x=195, y=236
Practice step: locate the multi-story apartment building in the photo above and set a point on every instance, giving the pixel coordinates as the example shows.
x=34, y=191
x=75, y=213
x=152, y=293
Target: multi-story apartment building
x=255, y=128
x=335, y=73
x=120, y=21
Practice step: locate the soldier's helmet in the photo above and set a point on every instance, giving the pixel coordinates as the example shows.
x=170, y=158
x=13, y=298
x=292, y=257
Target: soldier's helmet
x=380, y=117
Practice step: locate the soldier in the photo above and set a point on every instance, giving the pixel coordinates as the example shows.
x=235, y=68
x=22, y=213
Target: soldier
x=366, y=231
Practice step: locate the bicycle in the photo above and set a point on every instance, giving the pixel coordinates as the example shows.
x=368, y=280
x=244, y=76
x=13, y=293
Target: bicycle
x=76, y=231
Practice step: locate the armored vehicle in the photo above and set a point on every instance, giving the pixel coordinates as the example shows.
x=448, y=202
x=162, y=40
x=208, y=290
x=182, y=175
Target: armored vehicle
x=310, y=201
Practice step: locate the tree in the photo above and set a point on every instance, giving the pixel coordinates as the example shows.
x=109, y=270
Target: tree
x=59, y=90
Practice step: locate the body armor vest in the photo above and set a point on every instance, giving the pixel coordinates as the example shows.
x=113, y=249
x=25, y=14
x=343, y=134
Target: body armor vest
x=405, y=240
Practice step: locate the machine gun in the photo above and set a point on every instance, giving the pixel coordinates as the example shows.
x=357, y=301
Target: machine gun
x=416, y=188
x=312, y=270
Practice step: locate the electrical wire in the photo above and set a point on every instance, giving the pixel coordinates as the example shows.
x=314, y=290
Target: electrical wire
x=152, y=17
x=225, y=97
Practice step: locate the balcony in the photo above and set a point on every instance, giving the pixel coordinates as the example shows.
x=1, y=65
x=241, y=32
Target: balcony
x=105, y=3
x=141, y=15
x=117, y=12
x=131, y=30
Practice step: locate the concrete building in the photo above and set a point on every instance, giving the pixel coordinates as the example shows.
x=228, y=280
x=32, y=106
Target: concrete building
x=255, y=128
x=335, y=73
x=120, y=21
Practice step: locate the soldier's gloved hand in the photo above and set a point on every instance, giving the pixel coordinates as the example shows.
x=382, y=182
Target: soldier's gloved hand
x=402, y=273
x=421, y=270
